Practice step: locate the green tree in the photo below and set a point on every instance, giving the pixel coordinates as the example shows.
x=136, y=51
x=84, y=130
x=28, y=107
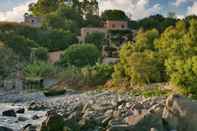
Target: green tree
x=155, y=22
x=39, y=69
x=8, y=63
x=20, y=45
x=89, y=8
x=43, y=7
x=40, y=54
x=178, y=49
x=114, y=15
x=139, y=61
x=80, y=55
x=98, y=39
x=65, y=18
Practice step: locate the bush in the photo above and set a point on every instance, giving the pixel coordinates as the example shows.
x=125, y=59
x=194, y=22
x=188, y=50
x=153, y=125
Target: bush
x=97, y=75
x=139, y=62
x=8, y=63
x=87, y=76
x=139, y=68
x=40, y=54
x=80, y=55
x=183, y=73
x=39, y=70
x=20, y=45
x=178, y=49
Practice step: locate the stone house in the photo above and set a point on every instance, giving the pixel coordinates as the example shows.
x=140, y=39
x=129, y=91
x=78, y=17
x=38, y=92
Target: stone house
x=108, y=25
x=116, y=25
x=89, y=30
x=33, y=21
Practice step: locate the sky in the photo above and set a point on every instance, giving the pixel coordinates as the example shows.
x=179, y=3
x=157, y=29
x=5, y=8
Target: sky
x=13, y=10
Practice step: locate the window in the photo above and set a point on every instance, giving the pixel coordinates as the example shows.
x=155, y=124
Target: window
x=123, y=26
x=32, y=21
x=113, y=25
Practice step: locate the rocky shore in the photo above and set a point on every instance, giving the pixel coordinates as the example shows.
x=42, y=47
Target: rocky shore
x=95, y=111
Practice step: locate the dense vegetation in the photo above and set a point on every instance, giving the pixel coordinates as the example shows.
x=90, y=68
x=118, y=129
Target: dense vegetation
x=163, y=50
x=80, y=55
x=152, y=58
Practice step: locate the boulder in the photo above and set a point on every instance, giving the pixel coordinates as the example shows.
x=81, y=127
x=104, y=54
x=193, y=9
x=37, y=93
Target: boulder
x=54, y=122
x=35, y=117
x=30, y=127
x=180, y=113
x=144, y=122
x=22, y=118
x=5, y=129
x=20, y=111
x=71, y=121
x=10, y=113
x=36, y=106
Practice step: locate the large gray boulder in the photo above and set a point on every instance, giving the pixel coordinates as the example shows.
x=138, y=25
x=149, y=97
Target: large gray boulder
x=5, y=129
x=54, y=122
x=180, y=113
x=9, y=113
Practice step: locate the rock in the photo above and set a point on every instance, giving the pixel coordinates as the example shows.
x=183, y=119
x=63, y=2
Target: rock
x=157, y=109
x=5, y=129
x=145, y=121
x=22, y=118
x=30, y=127
x=72, y=121
x=37, y=106
x=10, y=113
x=153, y=129
x=20, y=111
x=180, y=113
x=54, y=122
x=35, y=117
x=121, y=127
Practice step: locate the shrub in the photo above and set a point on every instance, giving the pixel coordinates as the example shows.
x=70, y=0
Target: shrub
x=139, y=68
x=97, y=75
x=20, y=45
x=178, y=49
x=39, y=69
x=87, y=76
x=8, y=63
x=80, y=55
x=139, y=62
x=40, y=54
x=183, y=73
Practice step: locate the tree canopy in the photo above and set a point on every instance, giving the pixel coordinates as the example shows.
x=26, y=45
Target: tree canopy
x=114, y=15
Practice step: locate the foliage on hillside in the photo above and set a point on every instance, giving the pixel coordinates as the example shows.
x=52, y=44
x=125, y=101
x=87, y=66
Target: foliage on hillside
x=8, y=63
x=80, y=55
x=154, y=58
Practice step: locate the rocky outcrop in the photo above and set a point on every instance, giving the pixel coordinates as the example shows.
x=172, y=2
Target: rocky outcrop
x=54, y=122
x=36, y=106
x=180, y=113
x=20, y=110
x=5, y=129
x=109, y=111
x=10, y=113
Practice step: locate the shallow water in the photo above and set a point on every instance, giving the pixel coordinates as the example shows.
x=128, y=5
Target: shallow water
x=13, y=122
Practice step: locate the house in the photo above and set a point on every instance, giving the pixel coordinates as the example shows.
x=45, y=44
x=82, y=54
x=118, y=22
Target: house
x=111, y=29
x=33, y=21
x=108, y=25
x=116, y=25
x=89, y=30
